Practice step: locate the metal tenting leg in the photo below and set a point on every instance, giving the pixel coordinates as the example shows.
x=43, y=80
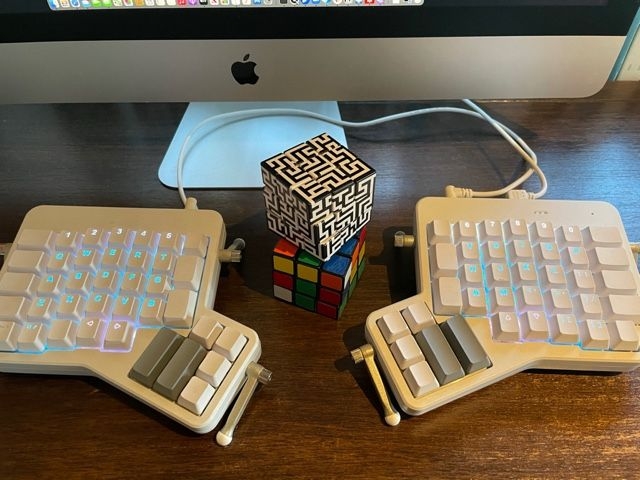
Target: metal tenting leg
x=255, y=373
x=233, y=253
x=365, y=353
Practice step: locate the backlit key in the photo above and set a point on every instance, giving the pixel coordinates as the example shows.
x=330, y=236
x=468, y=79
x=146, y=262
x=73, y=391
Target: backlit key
x=91, y=333
x=493, y=251
x=528, y=298
x=519, y=250
x=498, y=275
x=119, y=335
x=575, y=257
x=468, y=252
x=524, y=273
x=42, y=309
x=472, y=274
x=32, y=338
x=501, y=300
x=474, y=302
x=152, y=311
x=546, y=253
x=558, y=300
x=95, y=238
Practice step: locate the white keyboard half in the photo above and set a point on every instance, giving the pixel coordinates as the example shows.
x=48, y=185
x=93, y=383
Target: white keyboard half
x=126, y=294
x=504, y=286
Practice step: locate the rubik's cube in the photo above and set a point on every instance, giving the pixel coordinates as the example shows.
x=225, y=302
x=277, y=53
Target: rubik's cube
x=317, y=194
x=320, y=286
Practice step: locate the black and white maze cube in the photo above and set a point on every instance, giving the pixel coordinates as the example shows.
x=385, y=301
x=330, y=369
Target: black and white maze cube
x=317, y=194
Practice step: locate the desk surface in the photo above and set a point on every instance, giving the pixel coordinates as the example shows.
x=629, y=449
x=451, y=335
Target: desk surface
x=319, y=418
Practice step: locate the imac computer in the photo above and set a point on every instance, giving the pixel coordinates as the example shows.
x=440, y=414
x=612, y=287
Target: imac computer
x=318, y=51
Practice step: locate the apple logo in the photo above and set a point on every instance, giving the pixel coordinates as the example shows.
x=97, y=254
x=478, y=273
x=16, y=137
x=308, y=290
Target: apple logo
x=244, y=72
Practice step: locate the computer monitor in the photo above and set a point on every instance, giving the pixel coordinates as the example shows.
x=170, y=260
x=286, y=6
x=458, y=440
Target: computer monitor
x=302, y=50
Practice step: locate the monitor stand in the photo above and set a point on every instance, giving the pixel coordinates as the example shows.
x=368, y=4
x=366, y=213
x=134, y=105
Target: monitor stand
x=229, y=155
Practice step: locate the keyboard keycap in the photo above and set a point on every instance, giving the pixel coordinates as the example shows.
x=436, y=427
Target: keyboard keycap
x=465, y=345
x=406, y=352
x=417, y=316
x=623, y=336
x=9, y=332
x=155, y=357
x=420, y=378
x=32, y=338
x=230, y=343
x=563, y=329
x=439, y=354
x=196, y=395
x=393, y=326
x=447, y=299
x=29, y=239
x=180, y=368
x=213, y=368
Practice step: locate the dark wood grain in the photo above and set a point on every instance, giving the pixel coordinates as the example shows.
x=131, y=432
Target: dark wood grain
x=319, y=418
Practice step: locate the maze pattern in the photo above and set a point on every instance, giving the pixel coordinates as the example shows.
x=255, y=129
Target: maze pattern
x=323, y=287
x=318, y=194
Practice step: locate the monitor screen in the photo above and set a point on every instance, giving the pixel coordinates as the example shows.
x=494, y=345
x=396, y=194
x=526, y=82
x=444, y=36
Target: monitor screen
x=200, y=50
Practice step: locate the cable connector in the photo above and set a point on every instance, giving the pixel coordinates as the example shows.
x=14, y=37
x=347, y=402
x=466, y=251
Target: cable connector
x=451, y=191
x=518, y=194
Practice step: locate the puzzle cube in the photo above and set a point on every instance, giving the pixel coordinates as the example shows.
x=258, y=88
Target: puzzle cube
x=317, y=195
x=308, y=282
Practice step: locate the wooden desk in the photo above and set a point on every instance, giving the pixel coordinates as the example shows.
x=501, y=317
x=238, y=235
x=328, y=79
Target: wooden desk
x=320, y=418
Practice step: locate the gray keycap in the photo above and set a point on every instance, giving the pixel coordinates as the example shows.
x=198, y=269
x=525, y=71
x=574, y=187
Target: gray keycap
x=465, y=345
x=155, y=357
x=439, y=355
x=180, y=369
